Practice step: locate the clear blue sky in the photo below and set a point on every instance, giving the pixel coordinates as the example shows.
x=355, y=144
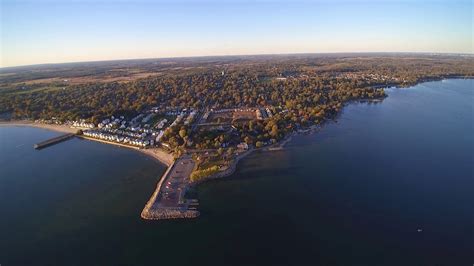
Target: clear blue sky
x=42, y=31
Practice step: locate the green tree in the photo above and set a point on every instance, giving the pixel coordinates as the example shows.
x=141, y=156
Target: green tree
x=248, y=140
x=274, y=132
x=230, y=152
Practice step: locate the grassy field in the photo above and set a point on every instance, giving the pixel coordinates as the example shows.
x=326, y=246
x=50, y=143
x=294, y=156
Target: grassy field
x=28, y=90
x=218, y=161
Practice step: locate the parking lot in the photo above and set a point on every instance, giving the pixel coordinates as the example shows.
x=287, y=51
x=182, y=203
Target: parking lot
x=175, y=184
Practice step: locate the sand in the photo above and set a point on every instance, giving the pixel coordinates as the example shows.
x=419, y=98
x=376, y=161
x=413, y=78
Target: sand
x=25, y=123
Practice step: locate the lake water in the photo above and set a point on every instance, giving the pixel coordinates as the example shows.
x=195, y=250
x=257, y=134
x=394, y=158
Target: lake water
x=387, y=184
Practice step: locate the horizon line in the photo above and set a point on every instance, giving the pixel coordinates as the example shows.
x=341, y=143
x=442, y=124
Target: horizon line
x=233, y=55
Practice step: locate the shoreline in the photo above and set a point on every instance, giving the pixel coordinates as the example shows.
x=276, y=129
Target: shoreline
x=155, y=153
x=26, y=123
x=233, y=166
x=148, y=213
x=160, y=155
x=227, y=172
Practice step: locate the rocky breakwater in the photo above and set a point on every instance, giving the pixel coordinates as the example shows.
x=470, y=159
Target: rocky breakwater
x=168, y=213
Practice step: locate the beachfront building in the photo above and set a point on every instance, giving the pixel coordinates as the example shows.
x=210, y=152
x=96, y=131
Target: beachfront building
x=159, y=136
x=119, y=138
x=162, y=123
x=82, y=124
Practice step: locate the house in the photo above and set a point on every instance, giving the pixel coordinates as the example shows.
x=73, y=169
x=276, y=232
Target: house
x=162, y=123
x=243, y=146
x=269, y=112
x=160, y=135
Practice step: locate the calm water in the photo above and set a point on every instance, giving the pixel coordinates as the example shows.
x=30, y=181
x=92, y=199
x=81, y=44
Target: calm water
x=355, y=193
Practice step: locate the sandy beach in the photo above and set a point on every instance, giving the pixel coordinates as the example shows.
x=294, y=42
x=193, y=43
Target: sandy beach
x=26, y=123
x=160, y=155
x=156, y=153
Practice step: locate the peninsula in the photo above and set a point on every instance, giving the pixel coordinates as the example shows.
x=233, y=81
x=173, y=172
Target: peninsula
x=200, y=116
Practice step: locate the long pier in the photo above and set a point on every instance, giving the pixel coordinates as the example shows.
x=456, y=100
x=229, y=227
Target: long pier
x=53, y=141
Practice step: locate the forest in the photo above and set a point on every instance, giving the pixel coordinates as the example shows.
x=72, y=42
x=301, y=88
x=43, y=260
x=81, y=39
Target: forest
x=308, y=87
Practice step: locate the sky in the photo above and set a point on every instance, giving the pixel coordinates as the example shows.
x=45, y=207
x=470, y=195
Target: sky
x=54, y=31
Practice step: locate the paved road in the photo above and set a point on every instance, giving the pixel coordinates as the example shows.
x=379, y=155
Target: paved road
x=198, y=119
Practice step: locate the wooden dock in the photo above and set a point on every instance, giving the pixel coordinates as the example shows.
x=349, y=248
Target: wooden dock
x=53, y=141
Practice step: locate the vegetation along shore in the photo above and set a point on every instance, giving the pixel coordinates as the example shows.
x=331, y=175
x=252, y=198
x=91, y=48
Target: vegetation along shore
x=200, y=118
